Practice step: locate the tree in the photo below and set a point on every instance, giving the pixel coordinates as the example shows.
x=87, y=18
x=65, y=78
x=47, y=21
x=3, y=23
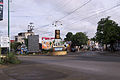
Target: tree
x=93, y=39
x=26, y=42
x=108, y=32
x=79, y=39
x=68, y=36
x=15, y=45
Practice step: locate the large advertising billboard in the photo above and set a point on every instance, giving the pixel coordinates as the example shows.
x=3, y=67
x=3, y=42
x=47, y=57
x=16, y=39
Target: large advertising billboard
x=1, y=10
x=47, y=42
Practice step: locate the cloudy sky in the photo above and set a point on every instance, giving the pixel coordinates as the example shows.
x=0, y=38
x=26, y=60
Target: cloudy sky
x=73, y=15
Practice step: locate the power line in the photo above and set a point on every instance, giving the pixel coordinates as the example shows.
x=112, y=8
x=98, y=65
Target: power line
x=75, y=10
x=99, y=12
x=65, y=15
x=65, y=3
x=69, y=13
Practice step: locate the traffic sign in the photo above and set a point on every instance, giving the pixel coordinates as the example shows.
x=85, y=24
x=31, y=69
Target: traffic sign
x=4, y=41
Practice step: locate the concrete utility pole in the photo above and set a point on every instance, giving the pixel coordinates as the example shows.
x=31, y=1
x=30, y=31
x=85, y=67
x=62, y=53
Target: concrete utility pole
x=1, y=18
x=9, y=22
x=0, y=53
x=8, y=18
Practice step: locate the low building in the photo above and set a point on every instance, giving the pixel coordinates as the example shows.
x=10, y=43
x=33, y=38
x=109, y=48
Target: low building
x=21, y=36
x=24, y=35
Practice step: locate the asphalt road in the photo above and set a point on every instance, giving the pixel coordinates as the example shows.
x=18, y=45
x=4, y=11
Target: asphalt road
x=70, y=67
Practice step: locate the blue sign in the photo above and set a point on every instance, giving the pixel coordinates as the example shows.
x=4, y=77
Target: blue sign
x=58, y=49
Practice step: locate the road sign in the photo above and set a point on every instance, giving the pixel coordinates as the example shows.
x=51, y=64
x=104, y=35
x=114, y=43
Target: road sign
x=4, y=41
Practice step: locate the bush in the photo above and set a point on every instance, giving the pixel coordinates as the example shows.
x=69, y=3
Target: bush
x=3, y=61
x=10, y=58
x=13, y=59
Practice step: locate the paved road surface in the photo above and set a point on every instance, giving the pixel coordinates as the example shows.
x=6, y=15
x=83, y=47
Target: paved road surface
x=66, y=68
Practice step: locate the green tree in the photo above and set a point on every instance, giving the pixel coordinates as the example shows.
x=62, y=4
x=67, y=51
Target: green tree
x=15, y=45
x=93, y=39
x=68, y=36
x=79, y=39
x=108, y=32
x=26, y=42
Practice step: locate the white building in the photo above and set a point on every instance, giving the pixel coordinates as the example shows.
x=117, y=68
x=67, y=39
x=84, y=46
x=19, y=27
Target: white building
x=22, y=36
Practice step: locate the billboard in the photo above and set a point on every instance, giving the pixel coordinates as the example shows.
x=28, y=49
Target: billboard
x=1, y=10
x=47, y=42
x=57, y=34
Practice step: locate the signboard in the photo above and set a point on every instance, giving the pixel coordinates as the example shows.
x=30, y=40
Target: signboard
x=4, y=41
x=58, y=49
x=47, y=42
x=1, y=10
x=4, y=45
x=57, y=34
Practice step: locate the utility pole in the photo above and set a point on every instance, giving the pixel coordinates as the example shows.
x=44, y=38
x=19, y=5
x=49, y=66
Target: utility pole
x=9, y=23
x=1, y=18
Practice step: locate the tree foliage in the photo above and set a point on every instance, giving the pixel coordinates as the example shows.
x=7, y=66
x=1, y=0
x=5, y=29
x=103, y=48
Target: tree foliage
x=108, y=31
x=26, y=42
x=68, y=36
x=15, y=45
x=78, y=39
x=93, y=39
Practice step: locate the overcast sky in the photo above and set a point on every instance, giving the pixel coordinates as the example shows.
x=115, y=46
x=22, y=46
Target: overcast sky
x=44, y=12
